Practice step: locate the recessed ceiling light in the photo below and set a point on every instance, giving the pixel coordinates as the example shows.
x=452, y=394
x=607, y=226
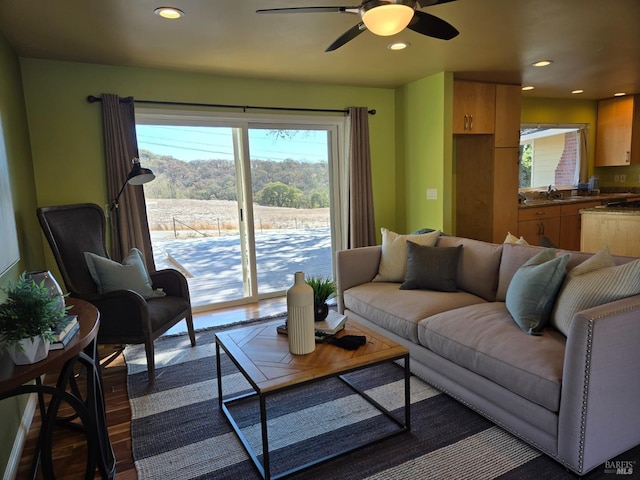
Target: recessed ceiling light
x=527, y=88
x=169, y=13
x=398, y=45
x=577, y=91
x=619, y=94
x=542, y=63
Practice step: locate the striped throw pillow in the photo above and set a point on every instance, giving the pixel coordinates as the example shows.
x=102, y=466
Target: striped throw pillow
x=594, y=282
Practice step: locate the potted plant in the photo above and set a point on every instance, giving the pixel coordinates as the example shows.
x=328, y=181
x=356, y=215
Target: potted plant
x=323, y=289
x=27, y=318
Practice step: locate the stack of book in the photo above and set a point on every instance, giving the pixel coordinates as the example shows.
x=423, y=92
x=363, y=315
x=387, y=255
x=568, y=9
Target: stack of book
x=332, y=324
x=66, y=330
x=327, y=328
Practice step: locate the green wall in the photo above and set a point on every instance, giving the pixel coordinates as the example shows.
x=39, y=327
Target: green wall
x=425, y=114
x=13, y=129
x=66, y=131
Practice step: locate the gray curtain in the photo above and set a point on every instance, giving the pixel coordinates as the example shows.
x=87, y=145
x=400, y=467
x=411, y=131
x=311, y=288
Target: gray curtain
x=582, y=155
x=129, y=226
x=361, y=224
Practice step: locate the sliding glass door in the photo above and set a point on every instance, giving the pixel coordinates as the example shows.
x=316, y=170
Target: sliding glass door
x=238, y=207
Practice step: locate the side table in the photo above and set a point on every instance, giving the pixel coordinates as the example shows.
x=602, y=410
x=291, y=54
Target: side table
x=88, y=405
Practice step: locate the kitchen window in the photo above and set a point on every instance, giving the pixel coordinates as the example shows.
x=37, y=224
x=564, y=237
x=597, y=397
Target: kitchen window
x=552, y=155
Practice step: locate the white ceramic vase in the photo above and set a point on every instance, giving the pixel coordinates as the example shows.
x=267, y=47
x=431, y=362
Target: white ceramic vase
x=49, y=283
x=33, y=350
x=300, y=323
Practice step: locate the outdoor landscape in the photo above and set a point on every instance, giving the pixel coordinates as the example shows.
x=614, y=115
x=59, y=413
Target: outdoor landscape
x=194, y=221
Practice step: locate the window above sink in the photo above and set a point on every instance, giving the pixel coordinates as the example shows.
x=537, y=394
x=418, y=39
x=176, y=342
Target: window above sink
x=552, y=155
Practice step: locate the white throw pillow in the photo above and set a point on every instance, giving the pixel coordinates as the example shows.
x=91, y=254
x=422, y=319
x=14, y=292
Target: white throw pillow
x=393, y=263
x=594, y=282
x=511, y=238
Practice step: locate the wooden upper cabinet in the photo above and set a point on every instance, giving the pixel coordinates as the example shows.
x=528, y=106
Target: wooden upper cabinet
x=508, y=103
x=618, y=132
x=474, y=106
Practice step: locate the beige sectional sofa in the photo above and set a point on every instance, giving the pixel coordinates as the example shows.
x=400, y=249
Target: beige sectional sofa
x=574, y=395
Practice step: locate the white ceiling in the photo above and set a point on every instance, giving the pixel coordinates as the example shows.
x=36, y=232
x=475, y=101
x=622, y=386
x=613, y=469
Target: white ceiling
x=595, y=44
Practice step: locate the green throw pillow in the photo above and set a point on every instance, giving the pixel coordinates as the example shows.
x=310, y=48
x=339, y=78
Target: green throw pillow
x=533, y=290
x=130, y=275
x=431, y=268
x=594, y=282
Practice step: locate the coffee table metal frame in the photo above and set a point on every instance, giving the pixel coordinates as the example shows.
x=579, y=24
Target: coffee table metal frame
x=264, y=468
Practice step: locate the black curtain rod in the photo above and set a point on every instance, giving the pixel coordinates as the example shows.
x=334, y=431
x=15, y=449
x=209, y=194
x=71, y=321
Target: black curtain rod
x=94, y=99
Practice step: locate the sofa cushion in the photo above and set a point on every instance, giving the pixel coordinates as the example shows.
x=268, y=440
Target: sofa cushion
x=533, y=290
x=478, y=265
x=399, y=311
x=484, y=339
x=431, y=268
x=393, y=262
x=513, y=257
x=594, y=282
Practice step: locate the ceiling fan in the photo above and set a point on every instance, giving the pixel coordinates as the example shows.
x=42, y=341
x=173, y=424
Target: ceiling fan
x=384, y=17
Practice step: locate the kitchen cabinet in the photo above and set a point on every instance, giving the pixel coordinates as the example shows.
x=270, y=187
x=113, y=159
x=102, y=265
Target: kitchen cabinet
x=506, y=167
x=618, y=132
x=571, y=224
x=507, y=120
x=534, y=224
x=474, y=106
x=486, y=166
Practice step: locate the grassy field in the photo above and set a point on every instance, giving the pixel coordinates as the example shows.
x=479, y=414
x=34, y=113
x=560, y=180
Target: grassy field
x=220, y=217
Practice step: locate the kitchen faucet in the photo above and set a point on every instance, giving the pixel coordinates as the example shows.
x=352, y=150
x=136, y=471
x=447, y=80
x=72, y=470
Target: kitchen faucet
x=550, y=192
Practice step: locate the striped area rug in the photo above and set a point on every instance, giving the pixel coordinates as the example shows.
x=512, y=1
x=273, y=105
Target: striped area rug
x=179, y=433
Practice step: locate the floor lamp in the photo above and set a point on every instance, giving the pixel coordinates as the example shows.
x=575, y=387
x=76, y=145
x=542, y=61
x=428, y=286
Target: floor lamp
x=137, y=176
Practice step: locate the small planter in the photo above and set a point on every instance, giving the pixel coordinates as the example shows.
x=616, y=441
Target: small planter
x=320, y=312
x=29, y=350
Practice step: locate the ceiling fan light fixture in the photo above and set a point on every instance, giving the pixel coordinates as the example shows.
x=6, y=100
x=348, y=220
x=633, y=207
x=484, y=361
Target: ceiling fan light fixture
x=386, y=18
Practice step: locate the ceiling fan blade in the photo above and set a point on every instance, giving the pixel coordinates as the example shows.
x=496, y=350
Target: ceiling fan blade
x=431, y=26
x=310, y=10
x=347, y=36
x=428, y=3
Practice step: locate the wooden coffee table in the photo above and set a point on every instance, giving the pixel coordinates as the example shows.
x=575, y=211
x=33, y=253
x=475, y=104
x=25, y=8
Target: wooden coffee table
x=262, y=356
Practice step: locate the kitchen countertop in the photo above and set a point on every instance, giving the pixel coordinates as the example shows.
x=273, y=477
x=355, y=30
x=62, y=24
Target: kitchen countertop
x=603, y=197
x=612, y=211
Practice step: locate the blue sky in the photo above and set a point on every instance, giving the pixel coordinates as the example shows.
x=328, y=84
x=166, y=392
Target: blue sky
x=205, y=143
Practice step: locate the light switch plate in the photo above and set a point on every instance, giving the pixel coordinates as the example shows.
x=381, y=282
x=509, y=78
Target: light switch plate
x=432, y=193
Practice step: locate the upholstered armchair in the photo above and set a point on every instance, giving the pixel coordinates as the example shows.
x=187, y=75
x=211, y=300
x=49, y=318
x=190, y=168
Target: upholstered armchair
x=125, y=316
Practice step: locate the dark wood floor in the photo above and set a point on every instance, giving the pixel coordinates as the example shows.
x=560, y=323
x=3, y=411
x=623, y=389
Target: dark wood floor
x=69, y=452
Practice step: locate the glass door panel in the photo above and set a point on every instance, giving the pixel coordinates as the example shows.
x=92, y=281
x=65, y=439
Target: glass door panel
x=194, y=208
x=291, y=204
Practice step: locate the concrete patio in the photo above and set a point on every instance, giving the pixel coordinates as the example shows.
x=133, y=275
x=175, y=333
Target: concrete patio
x=213, y=264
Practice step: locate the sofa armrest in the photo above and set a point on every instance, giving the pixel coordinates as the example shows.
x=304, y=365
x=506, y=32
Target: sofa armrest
x=355, y=267
x=599, y=414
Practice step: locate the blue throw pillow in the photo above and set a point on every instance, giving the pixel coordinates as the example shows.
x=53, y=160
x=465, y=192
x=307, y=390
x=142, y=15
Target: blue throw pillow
x=533, y=290
x=130, y=275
